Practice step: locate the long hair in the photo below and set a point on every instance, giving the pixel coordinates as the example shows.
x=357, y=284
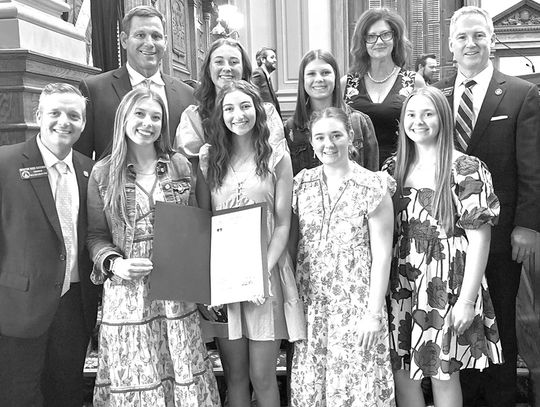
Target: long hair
x=442, y=205
x=206, y=93
x=360, y=59
x=221, y=137
x=303, y=108
x=115, y=197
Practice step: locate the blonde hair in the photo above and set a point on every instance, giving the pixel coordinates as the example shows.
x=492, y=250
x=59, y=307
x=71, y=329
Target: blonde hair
x=443, y=208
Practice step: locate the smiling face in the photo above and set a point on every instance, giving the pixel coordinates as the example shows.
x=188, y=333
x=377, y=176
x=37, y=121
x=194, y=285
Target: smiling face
x=471, y=42
x=144, y=44
x=380, y=49
x=319, y=80
x=143, y=123
x=225, y=65
x=330, y=141
x=421, y=121
x=61, y=119
x=239, y=113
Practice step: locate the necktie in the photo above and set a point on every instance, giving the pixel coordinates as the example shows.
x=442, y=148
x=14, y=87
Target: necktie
x=465, y=117
x=148, y=84
x=63, y=203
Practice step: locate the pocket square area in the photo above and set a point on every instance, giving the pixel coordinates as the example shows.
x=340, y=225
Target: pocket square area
x=495, y=118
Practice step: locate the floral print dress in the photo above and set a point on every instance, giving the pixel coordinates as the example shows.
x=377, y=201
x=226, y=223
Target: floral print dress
x=333, y=275
x=384, y=115
x=150, y=352
x=426, y=277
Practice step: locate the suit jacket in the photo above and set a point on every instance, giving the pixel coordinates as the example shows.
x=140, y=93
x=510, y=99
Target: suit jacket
x=104, y=93
x=262, y=82
x=506, y=137
x=32, y=251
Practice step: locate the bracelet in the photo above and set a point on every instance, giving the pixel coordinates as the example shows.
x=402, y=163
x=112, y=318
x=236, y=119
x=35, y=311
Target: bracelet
x=466, y=301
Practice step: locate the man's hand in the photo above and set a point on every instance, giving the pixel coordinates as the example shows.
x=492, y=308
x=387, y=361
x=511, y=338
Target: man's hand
x=523, y=243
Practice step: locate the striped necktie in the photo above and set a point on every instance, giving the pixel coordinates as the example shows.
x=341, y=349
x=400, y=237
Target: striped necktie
x=63, y=203
x=465, y=117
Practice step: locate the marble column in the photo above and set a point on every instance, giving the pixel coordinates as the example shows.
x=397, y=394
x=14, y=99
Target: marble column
x=36, y=47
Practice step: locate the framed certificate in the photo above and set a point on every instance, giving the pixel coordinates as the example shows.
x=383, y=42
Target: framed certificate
x=209, y=258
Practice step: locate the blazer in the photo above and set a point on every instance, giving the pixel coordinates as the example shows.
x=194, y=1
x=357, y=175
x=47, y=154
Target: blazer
x=506, y=137
x=104, y=93
x=262, y=82
x=32, y=251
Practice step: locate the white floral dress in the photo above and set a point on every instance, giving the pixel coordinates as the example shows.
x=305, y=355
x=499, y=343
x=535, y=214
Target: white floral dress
x=150, y=352
x=333, y=276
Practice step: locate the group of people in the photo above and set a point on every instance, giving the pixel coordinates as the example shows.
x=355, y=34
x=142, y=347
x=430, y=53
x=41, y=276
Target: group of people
x=398, y=216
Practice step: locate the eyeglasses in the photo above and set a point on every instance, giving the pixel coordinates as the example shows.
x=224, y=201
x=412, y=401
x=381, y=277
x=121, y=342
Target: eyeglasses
x=385, y=36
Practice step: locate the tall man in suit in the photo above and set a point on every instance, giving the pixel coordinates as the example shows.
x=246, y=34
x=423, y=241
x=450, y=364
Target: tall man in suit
x=267, y=63
x=143, y=37
x=48, y=304
x=506, y=136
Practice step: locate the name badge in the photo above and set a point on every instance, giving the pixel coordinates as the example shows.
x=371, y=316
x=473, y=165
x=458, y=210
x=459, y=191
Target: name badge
x=448, y=91
x=33, y=172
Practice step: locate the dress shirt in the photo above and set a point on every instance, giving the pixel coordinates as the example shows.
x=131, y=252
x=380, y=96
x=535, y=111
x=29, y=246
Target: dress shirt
x=156, y=83
x=49, y=160
x=478, y=91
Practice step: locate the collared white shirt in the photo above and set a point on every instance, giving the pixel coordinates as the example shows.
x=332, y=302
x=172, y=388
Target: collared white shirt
x=478, y=91
x=49, y=160
x=156, y=83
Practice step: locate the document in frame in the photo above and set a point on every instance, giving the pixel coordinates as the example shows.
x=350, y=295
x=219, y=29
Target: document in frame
x=190, y=266
x=238, y=261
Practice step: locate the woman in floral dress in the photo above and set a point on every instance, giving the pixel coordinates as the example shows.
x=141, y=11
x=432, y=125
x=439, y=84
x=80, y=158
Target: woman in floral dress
x=150, y=352
x=377, y=82
x=442, y=318
x=343, y=224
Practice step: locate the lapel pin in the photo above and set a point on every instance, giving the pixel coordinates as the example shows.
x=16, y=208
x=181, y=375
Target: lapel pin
x=498, y=91
x=85, y=173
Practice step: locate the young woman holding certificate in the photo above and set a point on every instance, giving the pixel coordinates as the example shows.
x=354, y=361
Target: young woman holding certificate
x=342, y=233
x=150, y=352
x=239, y=168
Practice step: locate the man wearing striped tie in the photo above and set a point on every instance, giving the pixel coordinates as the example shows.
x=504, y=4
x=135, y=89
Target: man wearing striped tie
x=48, y=304
x=497, y=120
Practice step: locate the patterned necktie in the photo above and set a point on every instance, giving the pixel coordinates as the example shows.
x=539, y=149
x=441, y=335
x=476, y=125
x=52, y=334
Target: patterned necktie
x=465, y=117
x=63, y=203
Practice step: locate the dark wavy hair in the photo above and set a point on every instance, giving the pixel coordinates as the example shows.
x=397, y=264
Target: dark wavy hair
x=360, y=59
x=220, y=137
x=205, y=94
x=303, y=108
x=141, y=11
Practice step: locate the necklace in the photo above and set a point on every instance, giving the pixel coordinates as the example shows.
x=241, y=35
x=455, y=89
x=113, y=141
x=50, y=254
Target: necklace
x=384, y=79
x=241, y=170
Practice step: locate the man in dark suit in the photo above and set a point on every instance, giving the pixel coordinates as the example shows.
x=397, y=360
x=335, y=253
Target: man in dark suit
x=267, y=63
x=48, y=304
x=143, y=37
x=506, y=136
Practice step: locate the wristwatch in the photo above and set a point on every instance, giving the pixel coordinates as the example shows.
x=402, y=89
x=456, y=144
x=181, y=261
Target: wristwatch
x=108, y=264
